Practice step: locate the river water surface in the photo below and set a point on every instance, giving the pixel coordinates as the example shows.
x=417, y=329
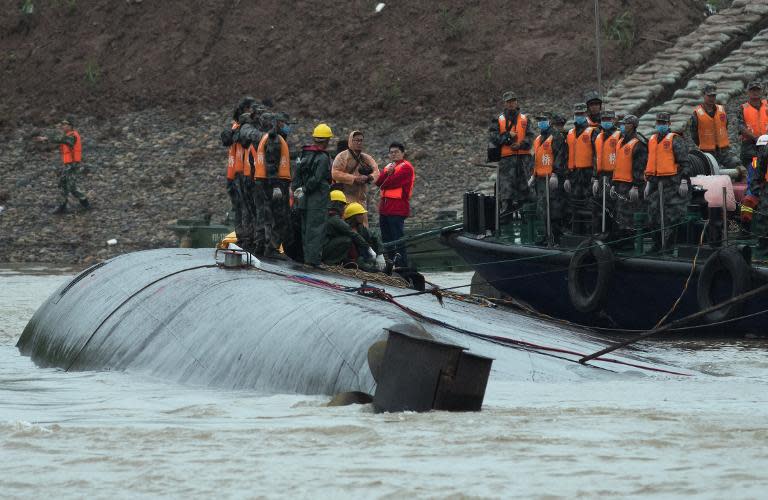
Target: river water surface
x=123, y=435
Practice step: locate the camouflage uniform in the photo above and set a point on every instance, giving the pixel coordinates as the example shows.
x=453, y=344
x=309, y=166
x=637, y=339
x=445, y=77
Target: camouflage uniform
x=722, y=155
x=675, y=206
x=626, y=209
x=758, y=188
x=273, y=222
x=748, y=147
x=580, y=197
x=556, y=197
x=514, y=170
x=339, y=238
x=68, y=174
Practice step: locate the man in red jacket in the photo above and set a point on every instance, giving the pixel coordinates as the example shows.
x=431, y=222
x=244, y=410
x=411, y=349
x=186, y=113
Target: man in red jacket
x=396, y=184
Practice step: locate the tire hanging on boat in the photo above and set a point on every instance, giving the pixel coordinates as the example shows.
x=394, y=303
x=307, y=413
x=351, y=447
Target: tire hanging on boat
x=730, y=262
x=591, y=256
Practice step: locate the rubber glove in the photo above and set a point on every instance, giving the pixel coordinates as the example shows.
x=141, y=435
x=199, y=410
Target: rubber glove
x=634, y=195
x=595, y=186
x=381, y=264
x=553, y=182
x=567, y=186
x=371, y=253
x=531, y=181
x=612, y=193
x=647, y=190
x=683, y=190
x=298, y=193
x=277, y=194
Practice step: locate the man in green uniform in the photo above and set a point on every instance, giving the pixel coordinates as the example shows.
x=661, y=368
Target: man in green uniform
x=71, y=149
x=548, y=154
x=627, y=183
x=342, y=244
x=311, y=185
x=669, y=172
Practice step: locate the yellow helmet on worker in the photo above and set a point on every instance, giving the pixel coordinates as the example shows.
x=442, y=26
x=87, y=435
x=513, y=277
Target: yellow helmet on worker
x=338, y=195
x=322, y=131
x=354, y=209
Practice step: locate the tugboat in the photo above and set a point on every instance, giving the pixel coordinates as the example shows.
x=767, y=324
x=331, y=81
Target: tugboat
x=621, y=285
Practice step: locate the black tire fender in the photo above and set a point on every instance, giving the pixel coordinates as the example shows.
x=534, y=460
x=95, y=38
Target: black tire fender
x=732, y=262
x=589, y=255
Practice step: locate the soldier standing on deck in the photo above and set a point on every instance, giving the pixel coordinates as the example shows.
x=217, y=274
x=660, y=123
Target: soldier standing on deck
x=629, y=174
x=548, y=159
x=594, y=108
x=667, y=170
x=271, y=162
x=753, y=122
x=71, y=149
x=512, y=133
x=580, y=160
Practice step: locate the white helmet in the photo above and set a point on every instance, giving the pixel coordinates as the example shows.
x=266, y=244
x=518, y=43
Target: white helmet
x=762, y=140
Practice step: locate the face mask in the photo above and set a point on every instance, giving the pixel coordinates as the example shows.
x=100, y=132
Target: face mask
x=662, y=129
x=606, y=125
x=580, y=120
x=285, y=129
x=544, y=125
x=623, y=129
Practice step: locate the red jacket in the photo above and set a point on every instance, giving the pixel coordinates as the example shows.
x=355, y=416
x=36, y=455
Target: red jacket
x=396, y=189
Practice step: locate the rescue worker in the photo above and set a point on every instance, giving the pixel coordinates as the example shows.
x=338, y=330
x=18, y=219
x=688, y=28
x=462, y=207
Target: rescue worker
x=311, y=187
x=753, y=122
x=247, y=190
x=355, y=170
x=756, y=203
x=580, y=161
x=667, y=170
x=341, y=242
x=594, y=107
x=548, y=156
x=709, y=128
x=629, y=174
x=230, y=138
x=513, y=135
x=71, y=150
x=354, y=215
x=271, y=161
x=396, y=184
x=606, y=142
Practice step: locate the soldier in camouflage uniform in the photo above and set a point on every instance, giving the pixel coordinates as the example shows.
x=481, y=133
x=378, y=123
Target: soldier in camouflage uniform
x=705, y=135
x=70, y=147
x=549, y=153
x=512, y=133
x=759, y=192
x=580, y=160
x=272, y=178
x=626, y=186
x=667, y=169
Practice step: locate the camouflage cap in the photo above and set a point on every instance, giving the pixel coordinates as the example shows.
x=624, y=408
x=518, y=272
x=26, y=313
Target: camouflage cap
x=607, y=114
x=558, y=120
x=592, y=96
x=630, y=120
x=66, y=121
x=258, y=109
x=542, y=116
x=579, y=107
x=662, y=117
x=244, y=118
x=755, y=84
x=509, y=96
x=282, y=116
x=710, y=89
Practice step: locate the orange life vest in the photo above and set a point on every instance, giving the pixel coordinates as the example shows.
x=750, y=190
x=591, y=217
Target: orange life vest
x=543, y=156
x=606, y=151
x=231, y=157
x=397, y=193
x=624, y=152
x=520, y=128
x=260, y=164
x=74, y=153
x=661, y=157
x=756, y=120
x=713, y=131
x=580, y=150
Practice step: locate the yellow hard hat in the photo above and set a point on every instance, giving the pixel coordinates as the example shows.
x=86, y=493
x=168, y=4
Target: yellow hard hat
x=322, y=131
x=354, y=209
x=338, y=195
